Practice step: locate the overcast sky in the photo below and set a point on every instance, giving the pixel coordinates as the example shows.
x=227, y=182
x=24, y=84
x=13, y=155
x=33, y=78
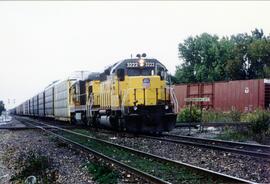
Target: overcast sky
x=44, y=41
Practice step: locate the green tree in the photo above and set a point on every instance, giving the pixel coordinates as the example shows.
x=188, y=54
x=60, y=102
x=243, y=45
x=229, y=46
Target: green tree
x=204, y=58
x=208, y=58
x=259, y=54
x=2, y=107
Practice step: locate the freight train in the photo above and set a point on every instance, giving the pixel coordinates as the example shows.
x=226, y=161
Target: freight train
x=241, y=95
x=131, y=95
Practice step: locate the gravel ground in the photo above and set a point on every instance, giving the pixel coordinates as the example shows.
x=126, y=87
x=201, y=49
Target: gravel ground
x=246, y=167
x=209, y=132
x=66, y=163
x=12, y=123
x=5, y=173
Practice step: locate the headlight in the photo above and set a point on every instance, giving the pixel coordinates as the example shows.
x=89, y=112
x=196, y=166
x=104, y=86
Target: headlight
x=166, y=107
x=135, y=108
x=141, y=63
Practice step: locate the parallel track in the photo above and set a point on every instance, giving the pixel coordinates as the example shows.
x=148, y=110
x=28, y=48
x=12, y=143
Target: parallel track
x=220, y=124
x=203, y=172
x=256, y=150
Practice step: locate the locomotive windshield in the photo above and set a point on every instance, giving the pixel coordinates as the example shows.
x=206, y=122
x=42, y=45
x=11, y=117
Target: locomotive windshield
x=141, y=67
x=148, y=69
x=140, y=72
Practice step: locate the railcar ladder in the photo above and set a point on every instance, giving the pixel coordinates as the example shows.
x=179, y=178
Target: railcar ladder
x=174, y=100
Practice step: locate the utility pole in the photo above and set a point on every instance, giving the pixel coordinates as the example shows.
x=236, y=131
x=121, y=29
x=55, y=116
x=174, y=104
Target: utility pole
x=81, y=72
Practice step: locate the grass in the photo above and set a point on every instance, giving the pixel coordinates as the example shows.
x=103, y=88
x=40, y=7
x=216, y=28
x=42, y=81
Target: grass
x=166, y=171
x=102, y=174
x=258, y=130
x=32, y=163
x=233, y=135
x=207, y=116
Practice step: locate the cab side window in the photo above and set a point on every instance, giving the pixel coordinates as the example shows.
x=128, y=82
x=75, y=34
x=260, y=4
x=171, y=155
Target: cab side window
x=161, y=72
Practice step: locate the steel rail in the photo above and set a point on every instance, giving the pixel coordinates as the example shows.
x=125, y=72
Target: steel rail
x=202, y=171
x=259, y=146
x=17, y=128
x=26, y=128
x=210, y=146
x=133, y=170
x=218, y=124
x=242, y=148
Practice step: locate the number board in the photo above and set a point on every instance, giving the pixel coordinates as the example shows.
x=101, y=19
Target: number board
x=149, y=64
x=136, y=64
x=206, y=99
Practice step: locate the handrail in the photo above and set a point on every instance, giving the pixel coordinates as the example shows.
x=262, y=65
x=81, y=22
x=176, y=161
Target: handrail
x=75, y=95
x=174, y=99
x=91, y=102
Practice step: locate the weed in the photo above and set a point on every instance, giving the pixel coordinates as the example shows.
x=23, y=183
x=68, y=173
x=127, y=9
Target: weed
x=260, y=121
x=188, y=114
x=217, y=116
x=32, y=163
x=61, y=144
x=235, y=115
x=102, y=174
x=233, y=135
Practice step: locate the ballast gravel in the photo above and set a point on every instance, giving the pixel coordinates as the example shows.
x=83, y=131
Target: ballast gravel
x=242, y=166
x=67, y=163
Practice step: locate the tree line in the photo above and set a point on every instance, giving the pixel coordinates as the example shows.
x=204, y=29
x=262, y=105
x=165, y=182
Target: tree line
x=2, y=107
x=208, y=58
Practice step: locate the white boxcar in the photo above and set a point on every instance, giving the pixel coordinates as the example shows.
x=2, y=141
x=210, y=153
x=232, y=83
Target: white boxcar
x=41, y=104
x=20, y=109
x=26, y=107
x=35, y=105
x=61, y=100
x=32, y=106
x=49, y=101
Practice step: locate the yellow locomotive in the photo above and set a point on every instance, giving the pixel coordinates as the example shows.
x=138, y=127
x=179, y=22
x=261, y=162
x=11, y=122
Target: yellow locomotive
x=131, y=95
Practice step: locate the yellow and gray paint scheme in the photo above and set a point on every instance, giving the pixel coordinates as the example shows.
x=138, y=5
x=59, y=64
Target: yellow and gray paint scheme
x=132, y=95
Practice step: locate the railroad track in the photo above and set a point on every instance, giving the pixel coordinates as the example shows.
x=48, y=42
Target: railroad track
x=218, y=124
x=256, y=150
x=158, y=169
x=29, y=127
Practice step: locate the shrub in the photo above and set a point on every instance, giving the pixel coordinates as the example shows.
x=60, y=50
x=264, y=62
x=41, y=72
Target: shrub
x=233, y=135
x=32, y=163
x=235, y=115
x=189, y=115
x=102, y=174
x=260, y=121
x=210, y=116
x=215, y=116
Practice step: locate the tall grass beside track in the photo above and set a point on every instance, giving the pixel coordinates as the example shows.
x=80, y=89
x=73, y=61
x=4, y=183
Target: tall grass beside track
x=258, y=130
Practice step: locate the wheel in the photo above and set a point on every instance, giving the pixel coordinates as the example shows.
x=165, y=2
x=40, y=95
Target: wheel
x=73, y=119
x=122, y=126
